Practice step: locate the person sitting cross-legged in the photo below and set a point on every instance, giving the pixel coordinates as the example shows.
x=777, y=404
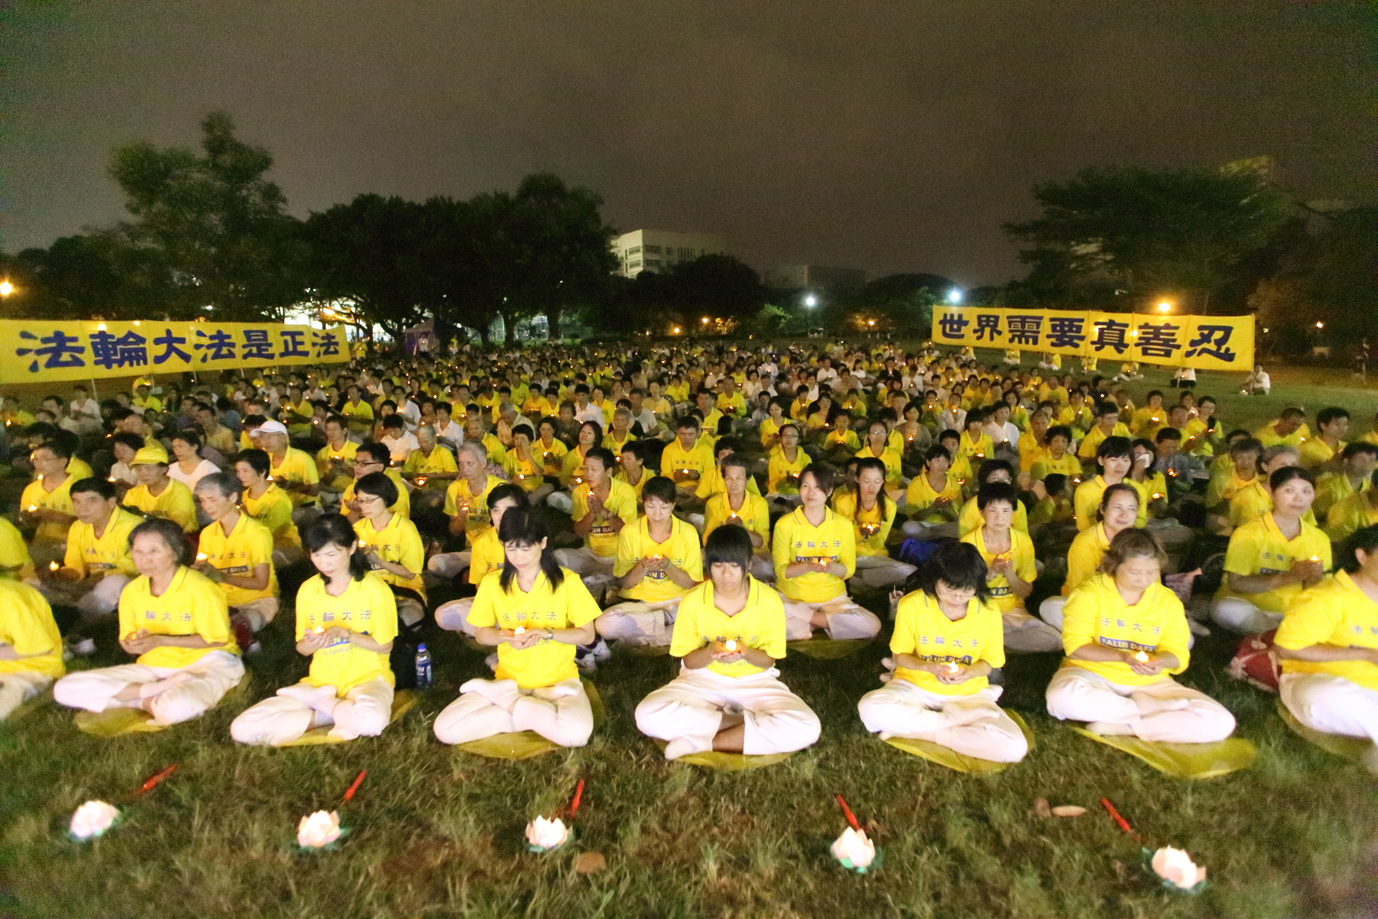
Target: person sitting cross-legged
x=601, y=507
x=658, y=562
x=30, y=645
x=178, y=623
x=485, y=557
x=1124, y=634
x=729, y=633
x=535, y=613
x=948, y=639
x=236, y=551
x=97, y=565
x=346, y=623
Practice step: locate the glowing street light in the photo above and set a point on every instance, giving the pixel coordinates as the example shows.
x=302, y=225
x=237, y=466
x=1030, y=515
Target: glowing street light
x=954, y=296
x=705, y=320
x=1320, y=325
x=6, y=288
x=810, y=300
x=1164, y=306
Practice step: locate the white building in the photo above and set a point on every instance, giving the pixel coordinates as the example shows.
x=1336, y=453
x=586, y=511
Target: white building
x=659, y=250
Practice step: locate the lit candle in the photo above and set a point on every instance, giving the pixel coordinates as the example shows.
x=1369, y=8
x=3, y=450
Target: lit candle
x=53, y=566
x=519, y=630
x=952, y=667
x=421, y=480
x=1141, y=657
x=320, y=629
x=730, y=645
x=112, y=479
x=33, y=507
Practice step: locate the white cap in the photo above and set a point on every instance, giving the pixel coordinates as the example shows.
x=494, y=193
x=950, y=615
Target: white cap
x=268, y=427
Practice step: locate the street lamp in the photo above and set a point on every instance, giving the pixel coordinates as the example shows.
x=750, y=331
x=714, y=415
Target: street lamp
x=6, y=288
x=1320, y=325
x=1164, y=306
x=954, y=296
x=705, y=320
x=810, y=300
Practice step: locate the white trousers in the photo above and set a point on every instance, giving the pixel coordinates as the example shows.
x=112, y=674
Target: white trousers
x=846, y=620
x=18, y=685
x=449, y=564
x=172, y=694
x=692, y=706
x=1239, y=615
x=1331, y=704
x=593, y=569
x=560, y=713
x=972, y=725
x=877, y=571
x=1050, y=610
x=258, y=612
x=638, y=622
x=561, y=501
x=1026, y=635
x=363, y=712
x=1164, y=711
x=454, y=615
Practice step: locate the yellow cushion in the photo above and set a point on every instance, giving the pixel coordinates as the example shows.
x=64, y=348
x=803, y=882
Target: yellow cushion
x=1351, y=748
x=1182, y=760
x=402, y=702
x=116, y=722
x=729, y=762
x=946, y=756
x=528, y=744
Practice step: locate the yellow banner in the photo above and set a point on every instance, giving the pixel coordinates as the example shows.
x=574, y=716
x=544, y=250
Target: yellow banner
x=1201, y=342
x=39, y=352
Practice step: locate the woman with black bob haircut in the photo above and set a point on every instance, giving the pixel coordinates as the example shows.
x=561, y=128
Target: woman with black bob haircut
x=536, y=614
x=948, y=638
x=346, y=623
x=392, y=545
x=729, y=633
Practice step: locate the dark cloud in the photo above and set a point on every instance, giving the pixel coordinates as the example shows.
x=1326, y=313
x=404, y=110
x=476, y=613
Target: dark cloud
x=889, y=136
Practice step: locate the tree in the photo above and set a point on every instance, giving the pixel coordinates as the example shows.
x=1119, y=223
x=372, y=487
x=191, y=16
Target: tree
x=1145, y=232
x=214, y=223
x=900, y=302
x=716, y=284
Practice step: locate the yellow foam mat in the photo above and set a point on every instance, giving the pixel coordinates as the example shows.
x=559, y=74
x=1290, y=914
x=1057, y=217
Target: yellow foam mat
x=1351, y=748
x=960, y=762
x=728, y=762
x=528, y=744
x=116, y=722
x=402, y=702
x=827, y=649
x=1182, y=760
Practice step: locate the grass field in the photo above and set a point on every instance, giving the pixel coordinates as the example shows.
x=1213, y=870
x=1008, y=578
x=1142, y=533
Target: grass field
x=438, y=831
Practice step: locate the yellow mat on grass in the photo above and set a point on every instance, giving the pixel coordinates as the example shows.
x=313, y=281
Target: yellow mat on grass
x=528, y=744
x=402, y=702
x=1351, y=748
x=729, y=762
x=946, y=756
x=827, y=649
x=1182, y=760
x=116, y=722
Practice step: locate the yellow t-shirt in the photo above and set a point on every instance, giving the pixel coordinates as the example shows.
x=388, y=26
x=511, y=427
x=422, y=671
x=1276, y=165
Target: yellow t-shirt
x=980, y=448
x=367, y=606
x=753, y=514
x=273, y=509
x=175, y=503
x=328, y=454
x=1315, y=452
x=1083, y=558
x=87, y=554
x=1331, y=489
x=971, y=520
x=712, y=484
x=1045, y=464
x=440, y=460
x=1350, y=514
x=296, y=466
x=496, y=451
x=14, y=554
x=79, y=469
x=869, y=529
x=1021, y=555
x=398, y=543
x=891, y=459
x=621, y=502
x=769, y=428
x=401, y=506
x=59, y=499
x=1268, y=435
x=842, y=440
x=760, y=625
x=798, y=540
x=682, y=549
x=248, y=545
x=551, y=454
x=1096, y=612
x=1335, y=612
x=486, y=556
x=26, y=625
x=919, y=497
x=610, y=442
x=1087, y=499
x=923, y=631
x=674, y=460
x=1094, y=437
x=1253, y=501
x=572, y=468
x=479, y=518
x=1224, y=485
x=192, y=605
x=1259, y=548
x=782, y=476
x=543, y=607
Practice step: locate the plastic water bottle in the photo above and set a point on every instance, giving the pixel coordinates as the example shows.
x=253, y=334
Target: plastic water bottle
x=424, y=676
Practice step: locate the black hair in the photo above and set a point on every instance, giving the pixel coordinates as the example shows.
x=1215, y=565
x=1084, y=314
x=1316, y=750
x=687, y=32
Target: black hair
x=379, y=485
x=862, y=464
x=255, y=459
x=169, y=531
x=1353, y=449
x=94, y=485
x=958, y=565
x=823, y=477
x=526, y=430
x=1330, y=415
x=938, y=450
x=524, y=526
x=1167, y=434
x=659, y=487
x=227, y=485
x=991, y=466
x=509, y=492
x=57, y=447
x=132, y=441
x=1115, y=448
x=394, y=422
x=603, y=455
x=1281, y=477
x=334, y=530
x=1365, y=538
x=597, y=431
x=1059, y=430
x=727, y=545
x=1055, y=483
x=189, y=436
x=997, y=491
x=379, y=453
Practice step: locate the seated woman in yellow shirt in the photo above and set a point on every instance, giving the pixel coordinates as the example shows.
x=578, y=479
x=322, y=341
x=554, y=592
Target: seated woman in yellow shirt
x=1125, y=634
x=177, y=621
x=392, y=546
x=872, y=515
x=1009, y=556
x=728, y=634
x=1272, y=559
x=815, y=553
x=236, y=552
x=524, y=465
x=1255, y=499
x=932, y=499
x=737, y=504
x=30, y=645
x=947, y=641
x=485, y=557
x=1328, y=644
x=877, y=446
x=272, y=507
x=1119, y=509
x=346, y=623
x=787, y=463
x=991, y=471
x=535, y=613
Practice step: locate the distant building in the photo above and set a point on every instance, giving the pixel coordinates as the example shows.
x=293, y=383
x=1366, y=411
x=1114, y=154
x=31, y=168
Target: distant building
x=659, y=250
x=815, y=277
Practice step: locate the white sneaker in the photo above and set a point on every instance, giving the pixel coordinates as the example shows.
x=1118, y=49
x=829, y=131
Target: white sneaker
x=681, y=746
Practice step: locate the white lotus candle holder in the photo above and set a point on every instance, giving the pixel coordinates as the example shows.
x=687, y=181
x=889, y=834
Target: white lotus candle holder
x=1177, y=870
x=544, y=835
x=854, y=851
x=319, y=830
x=92, y=819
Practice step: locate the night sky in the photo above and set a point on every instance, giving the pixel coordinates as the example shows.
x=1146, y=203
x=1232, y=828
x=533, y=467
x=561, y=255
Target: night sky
x=885, y=136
